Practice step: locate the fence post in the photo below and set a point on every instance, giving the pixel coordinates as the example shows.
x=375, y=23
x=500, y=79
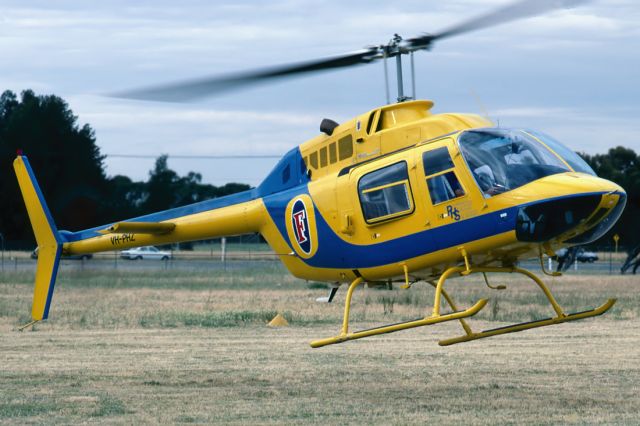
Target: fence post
x=223, y=252
x=610, y=260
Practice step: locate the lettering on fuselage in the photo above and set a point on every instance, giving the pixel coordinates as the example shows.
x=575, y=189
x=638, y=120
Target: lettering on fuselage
x=300, y=221
x=300, y=225
x=120, y=239
x=453, y=212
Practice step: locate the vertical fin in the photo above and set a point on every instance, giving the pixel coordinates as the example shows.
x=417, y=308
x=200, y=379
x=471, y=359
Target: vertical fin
x=47, y=236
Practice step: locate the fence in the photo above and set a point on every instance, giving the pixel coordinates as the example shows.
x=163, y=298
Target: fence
x=218, y=255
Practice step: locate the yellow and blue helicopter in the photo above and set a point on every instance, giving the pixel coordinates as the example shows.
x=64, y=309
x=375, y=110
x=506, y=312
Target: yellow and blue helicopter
x=397, y=194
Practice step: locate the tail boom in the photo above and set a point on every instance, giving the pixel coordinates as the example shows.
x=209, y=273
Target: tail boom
x=243, y=218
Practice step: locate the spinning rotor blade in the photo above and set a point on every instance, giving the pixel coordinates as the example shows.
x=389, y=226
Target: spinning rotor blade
x=512, y=12
x=192, y=89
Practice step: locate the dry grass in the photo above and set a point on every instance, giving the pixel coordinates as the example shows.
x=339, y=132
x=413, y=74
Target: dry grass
x=193, y=348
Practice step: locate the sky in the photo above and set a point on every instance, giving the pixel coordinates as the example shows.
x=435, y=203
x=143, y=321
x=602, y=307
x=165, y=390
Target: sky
x=572, y=73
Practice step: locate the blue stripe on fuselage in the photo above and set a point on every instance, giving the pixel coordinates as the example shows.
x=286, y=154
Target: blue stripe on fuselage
x=334, y=252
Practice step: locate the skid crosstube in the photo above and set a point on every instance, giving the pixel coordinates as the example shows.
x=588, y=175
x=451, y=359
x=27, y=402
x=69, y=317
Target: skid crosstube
x=531, y=324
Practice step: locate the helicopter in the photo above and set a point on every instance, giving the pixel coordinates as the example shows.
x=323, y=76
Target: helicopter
x=398, y=194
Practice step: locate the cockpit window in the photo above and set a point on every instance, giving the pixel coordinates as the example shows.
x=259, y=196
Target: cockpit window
x=501, y=160
x=573, y=159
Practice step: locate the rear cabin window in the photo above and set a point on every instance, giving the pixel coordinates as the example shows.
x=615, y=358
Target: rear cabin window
x=323, y=157
x=442, y=182
x=345, y=148
x=333, y=156
x=385, y=193
x=313, y=159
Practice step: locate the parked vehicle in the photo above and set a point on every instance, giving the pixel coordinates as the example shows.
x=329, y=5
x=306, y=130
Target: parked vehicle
x=586, y=256
x=582, y=255
x=34, y=255
x=148, y=252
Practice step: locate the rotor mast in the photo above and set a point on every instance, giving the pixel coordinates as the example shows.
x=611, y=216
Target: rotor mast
x=397, y=49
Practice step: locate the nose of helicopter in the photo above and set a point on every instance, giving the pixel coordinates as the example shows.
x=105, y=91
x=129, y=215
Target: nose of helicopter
x=576, y=212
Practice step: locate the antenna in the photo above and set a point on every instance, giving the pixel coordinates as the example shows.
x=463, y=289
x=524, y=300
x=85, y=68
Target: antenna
x=386, y=77
x=484, y=110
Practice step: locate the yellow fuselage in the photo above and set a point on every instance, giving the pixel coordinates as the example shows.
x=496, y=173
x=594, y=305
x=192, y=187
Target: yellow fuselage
x=311, y=210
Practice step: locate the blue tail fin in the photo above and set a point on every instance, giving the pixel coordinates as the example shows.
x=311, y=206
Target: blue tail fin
x=49, y=240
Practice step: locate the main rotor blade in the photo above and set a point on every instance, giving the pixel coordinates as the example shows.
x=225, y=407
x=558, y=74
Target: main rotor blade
x=514, y=11
x=193, y=89
x=198, y=88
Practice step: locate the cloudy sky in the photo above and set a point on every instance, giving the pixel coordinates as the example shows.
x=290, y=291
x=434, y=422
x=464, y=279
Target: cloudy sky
x=572, y=73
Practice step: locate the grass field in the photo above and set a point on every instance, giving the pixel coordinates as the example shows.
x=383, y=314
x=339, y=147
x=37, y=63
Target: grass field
x=192, y=347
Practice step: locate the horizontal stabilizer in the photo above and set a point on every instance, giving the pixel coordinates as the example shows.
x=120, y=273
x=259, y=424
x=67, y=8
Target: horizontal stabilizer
x=154, y=228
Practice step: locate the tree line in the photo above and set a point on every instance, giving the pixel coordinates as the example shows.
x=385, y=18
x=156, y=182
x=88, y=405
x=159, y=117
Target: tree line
x=71, y=173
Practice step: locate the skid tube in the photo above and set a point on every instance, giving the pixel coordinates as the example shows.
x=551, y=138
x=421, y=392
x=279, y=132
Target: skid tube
x=560, y=317
x=436, y=317
x=345, y=336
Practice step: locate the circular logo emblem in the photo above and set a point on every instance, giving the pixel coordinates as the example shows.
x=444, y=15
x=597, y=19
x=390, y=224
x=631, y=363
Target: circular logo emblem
x=301, y=226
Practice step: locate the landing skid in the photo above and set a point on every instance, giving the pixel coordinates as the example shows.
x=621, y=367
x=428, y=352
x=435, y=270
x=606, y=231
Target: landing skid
x=529, y=325
x=436, y=317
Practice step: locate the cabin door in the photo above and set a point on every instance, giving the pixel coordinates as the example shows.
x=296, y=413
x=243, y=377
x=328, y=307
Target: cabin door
x=449, y=196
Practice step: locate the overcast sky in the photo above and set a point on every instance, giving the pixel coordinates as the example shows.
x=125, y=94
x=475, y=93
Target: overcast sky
x=572, y=73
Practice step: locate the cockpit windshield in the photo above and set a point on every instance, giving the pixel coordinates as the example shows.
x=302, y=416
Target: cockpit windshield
x=573, y=159
x=502, y=159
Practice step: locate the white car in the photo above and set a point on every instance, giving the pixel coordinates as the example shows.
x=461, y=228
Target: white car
x=148, y=252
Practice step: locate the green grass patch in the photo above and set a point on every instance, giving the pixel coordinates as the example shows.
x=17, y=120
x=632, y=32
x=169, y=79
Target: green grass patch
x=28, y=408
x=208, y=319
x=108, y=405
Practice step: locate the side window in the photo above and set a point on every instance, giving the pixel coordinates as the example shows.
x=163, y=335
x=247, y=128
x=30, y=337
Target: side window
x=313, y=159
x=323, y=157
x=436, y=161
x=345, y=148
x=333, y=157
x=442, y=181
x=385, y=193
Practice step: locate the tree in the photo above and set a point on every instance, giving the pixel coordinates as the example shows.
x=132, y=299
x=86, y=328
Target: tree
x=64, y=155
x=622, y=166
x=70, y=171
x=165, y=189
